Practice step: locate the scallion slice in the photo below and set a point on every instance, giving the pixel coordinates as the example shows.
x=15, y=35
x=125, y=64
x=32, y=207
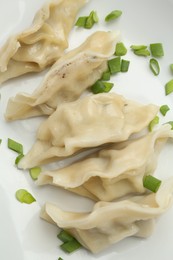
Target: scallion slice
x=0, y=141
x=120, y=49
x=114, y=65
x=87, y=21
x=18, y=158
x=142, y=52
x=15, y=146
x=34, y=172
x=101, y=87
x=154, y=66
x=156, y=49
x=138, y=47
x=70, y=246
x=95, y=16
x=107, y=86
x=153, y=122
x=91, y=20
x=81, y=21
x=151, y=183
x=59, y=258
x=98, y=87
x=113, y=15
x=24, y=196
x=64, y=236
x=125, y=65
x=106, y=76
x=169, y=87
x=70, y=243
x=164, y=109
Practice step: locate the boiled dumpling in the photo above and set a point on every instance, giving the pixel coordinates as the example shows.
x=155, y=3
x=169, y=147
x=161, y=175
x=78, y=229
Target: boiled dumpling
x=114, y=171
x=110, y=222
x=41, y=44
x=91, y=121
x=67, y=79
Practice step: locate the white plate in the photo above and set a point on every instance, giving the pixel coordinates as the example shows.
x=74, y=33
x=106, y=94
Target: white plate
x=23, y=236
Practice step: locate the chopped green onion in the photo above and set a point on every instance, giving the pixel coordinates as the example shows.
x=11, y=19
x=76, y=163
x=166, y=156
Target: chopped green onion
x=108, y=86
x=106, y=76
x=15, y=146
x=91, y=20
x=156, y=49
x=95, y=16
x=154, y=66
x=87, y=22
x=114, y=65
x=151, y=183
x=171, y=123
x=70, y=246
x=120, y=49
x=169, y=87
x=60, y=258
x=125, y=65
x=0, y=141
x=64, y=236
x=113, y=15
x=138, y=47
x=101, y=87
x=24, y=196
x=171, y=67
x=164, y=109
x=70, y=243
x=34, y=172
x=81, y=21
x=18, y=158
x=142, y=52
x=153, y=122
x=20, y=194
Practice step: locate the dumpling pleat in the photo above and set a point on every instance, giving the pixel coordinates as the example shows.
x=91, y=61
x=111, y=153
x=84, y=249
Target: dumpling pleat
x=91, y=121
x=43, y=43
x=110, y=222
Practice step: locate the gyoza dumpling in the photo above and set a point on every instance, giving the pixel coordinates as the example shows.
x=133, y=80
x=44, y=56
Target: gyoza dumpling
x=110, y=222
x=68, y=78
x=43, y=43
x=114, y=171
x=88, y=122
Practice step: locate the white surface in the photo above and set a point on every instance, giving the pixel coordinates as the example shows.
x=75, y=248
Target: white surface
x=23, y=236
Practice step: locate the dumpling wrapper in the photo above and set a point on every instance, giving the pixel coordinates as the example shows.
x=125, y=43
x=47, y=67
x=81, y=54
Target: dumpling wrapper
x=110, y=222
x=88, y=122
x=43, y=43
x=112, y=172
x=68, y=78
